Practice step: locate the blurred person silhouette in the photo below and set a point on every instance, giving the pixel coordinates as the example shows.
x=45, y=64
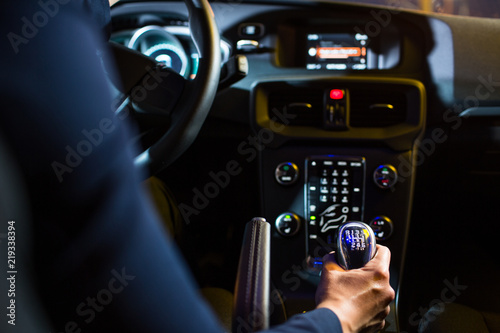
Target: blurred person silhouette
x=102, y=260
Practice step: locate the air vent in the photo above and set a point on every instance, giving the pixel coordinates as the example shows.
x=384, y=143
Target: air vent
x=303, y=105
x=377, y=107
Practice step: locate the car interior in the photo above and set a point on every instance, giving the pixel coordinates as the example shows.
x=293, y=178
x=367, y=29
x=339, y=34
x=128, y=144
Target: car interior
x=327, y=112
x=309, y=114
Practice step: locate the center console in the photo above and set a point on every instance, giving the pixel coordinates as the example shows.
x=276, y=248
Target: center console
x=334, y=194
x=337, y=150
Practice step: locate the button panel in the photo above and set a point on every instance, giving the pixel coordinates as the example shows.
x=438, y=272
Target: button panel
x=288, y=224
x=334, y=194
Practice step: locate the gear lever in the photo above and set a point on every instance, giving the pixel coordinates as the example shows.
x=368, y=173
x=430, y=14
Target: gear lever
x=356, y=245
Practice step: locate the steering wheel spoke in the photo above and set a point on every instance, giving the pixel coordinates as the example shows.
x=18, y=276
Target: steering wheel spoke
x=161, y=98
x=158, y=93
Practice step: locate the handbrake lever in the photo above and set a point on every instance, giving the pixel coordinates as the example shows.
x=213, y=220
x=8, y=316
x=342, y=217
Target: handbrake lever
x=356, y=245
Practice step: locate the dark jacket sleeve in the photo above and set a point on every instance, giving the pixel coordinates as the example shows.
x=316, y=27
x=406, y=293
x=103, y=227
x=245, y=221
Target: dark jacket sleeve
x=103, y=262
x=316, y=321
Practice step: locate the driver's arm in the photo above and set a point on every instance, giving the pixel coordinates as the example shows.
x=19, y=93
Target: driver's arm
x=359, y=297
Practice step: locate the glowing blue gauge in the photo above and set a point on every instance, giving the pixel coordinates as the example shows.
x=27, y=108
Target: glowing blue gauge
x=164, y=47
x=170, y=55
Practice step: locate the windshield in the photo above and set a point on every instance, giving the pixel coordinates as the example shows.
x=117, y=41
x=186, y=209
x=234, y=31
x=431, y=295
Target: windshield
x=479, y=8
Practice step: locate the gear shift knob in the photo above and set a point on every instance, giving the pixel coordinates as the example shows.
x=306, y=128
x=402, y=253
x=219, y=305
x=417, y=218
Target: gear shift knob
x=356, y=245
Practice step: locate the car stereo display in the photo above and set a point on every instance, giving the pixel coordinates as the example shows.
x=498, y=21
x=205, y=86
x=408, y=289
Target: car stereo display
x=337, y=51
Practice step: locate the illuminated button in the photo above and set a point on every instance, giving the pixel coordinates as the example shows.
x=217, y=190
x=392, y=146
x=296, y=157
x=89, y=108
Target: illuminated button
x=382, y=227
x=385, y=176
x=286, y=173
x=288, y=224
x=336, y=94
x=312, y=220
x=248, y=30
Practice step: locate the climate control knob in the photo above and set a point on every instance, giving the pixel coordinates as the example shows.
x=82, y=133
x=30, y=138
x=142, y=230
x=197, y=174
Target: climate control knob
x=382, y=227
x=288, y=224
x=286, y=173
x=385, y=176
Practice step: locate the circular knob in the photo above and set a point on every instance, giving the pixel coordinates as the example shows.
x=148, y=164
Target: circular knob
x=385, y=176
x=382, y=227
x=288, y=224
x=286, y=173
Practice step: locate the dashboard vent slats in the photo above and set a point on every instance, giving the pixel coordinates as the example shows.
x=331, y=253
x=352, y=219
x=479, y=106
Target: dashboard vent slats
x=373, y=107
x=377, y=108
x=304, y=105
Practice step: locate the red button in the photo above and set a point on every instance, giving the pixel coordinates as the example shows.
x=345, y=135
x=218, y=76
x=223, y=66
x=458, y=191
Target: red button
x=336, y=94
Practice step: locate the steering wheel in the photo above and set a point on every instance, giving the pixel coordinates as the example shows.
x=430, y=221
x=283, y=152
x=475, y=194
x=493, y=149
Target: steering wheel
x=188, y=101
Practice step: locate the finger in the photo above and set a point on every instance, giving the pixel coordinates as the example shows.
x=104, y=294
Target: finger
x=383, y=255
x=330, y=257
x=380, y=326
x=383, y=314
x=379, y=265
x=374, y=327
x=330, y=263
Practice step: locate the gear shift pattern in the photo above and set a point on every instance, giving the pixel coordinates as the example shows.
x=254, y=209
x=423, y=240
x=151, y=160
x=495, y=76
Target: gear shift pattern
x=356, y=245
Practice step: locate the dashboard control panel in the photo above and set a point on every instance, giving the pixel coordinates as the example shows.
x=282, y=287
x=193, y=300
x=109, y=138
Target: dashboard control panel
x=334, y=194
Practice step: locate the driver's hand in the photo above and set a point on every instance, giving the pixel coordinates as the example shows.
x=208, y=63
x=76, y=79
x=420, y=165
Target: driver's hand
x=359, y=297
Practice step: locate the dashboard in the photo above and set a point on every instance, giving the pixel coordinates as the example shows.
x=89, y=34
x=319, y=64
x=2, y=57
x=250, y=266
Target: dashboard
x=341, y=108
x=165, y=39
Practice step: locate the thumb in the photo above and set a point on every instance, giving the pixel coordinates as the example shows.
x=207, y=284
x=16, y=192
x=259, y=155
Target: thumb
x=330, y=263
